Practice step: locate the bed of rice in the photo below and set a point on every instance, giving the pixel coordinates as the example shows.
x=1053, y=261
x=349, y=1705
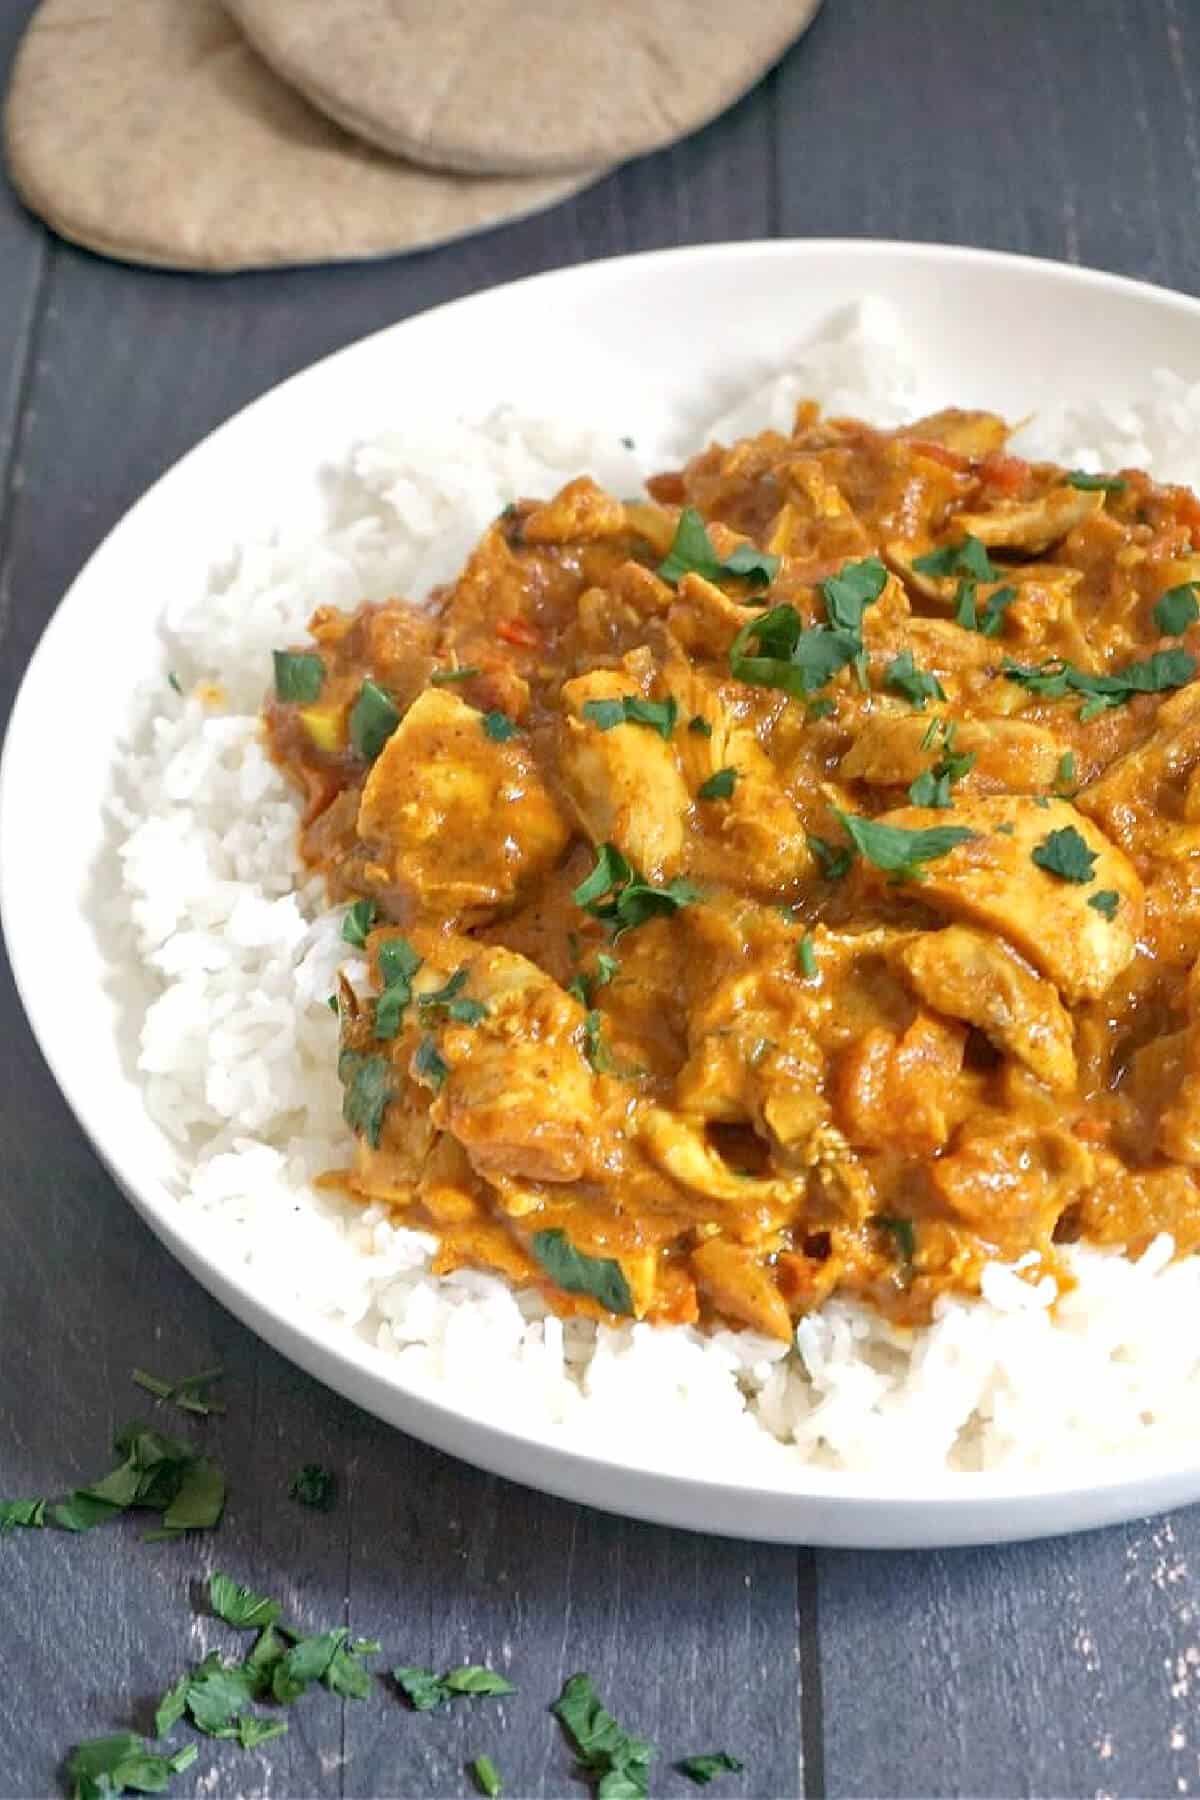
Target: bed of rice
x=238, y=1047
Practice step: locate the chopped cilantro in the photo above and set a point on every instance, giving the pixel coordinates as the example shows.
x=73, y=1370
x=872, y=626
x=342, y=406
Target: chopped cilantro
x=314, y=1485
x=173, y=681
x=1065, y=853
x=499, y=727
x=614, y=893
x=699, y=726
x=968, y=557
x=160, y=1473
x=1054, y=679
x=618, y=1762
x=899, y=851
x=1105, y=902
x=1064, y=776
x=718, y=786
x=373, y=718
x=904, y=1233
x=30, y=1515
x=834, y=860
x=1095, y=484
x=1175, y=610
x=445, y=677
x=358, y=921
x=794, y=658
x=299, y=676
x=693, y=552
x=483, y=1769
x=632, y=709
x=599, y=1277
x=121, y=1762
x=806, y=957
x=820, y=708
x=847, y=594
x=915, y=684
x=425, y=1691
x=398, y=961
x=429, y=1066
x=367, y=1081
x=239, y=1606
x=253, y=1731
x=705, y=1768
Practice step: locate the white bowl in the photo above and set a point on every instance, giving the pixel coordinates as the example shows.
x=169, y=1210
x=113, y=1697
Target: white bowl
x=643, y=345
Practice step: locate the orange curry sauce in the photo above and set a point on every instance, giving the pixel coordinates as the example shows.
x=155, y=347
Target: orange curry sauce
x=789, y=884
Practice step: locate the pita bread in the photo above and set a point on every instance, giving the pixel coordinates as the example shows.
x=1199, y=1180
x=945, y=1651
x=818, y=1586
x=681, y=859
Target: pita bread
x=521, y=86
x=148, y=130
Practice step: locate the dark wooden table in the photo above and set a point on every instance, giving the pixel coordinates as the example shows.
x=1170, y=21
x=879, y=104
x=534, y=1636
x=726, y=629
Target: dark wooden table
x=1068, y=1668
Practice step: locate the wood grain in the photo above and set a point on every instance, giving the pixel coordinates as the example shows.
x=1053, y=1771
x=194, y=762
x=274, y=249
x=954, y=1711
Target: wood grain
x=1067, y=1667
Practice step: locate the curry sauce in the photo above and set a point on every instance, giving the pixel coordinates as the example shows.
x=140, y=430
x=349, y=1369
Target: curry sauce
x=786, y=884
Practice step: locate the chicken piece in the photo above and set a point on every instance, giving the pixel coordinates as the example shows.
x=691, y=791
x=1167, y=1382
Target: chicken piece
x=903, y=1092
x=973, y=976
x=624, y=780
x=460, y=822
x=1031, y=525
x=517, y=1092
x=1011, y=1184
x=1130, y=1207
x=747, y=1204
x=578, y=512
x=969, y=434
x=1144, y=799
x=992, y=880
x=734, y=1279
x=893, y=748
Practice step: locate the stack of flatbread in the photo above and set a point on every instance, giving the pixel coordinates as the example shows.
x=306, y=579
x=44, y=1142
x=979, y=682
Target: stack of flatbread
x=196, y=134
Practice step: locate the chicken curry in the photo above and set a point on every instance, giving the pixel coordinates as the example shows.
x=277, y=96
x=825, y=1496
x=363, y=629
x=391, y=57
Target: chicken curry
x=784, y=884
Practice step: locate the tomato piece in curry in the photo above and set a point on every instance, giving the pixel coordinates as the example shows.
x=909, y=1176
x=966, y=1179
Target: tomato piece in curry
x=784, y=885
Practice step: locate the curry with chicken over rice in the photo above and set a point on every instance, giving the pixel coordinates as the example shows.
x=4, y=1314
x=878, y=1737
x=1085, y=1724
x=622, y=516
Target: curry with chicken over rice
x=783, y=885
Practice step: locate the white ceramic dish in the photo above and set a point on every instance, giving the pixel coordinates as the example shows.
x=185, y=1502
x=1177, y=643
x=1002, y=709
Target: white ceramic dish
x=643, y=345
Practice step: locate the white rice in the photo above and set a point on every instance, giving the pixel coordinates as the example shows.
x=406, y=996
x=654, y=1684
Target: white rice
x=238, y=1047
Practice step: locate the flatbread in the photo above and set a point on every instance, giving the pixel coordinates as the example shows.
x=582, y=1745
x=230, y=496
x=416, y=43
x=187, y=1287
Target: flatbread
x=521, y=86
x=148, y=130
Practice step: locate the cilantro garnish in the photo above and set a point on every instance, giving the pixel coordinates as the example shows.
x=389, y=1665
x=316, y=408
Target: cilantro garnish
x=719, y=786
x=368, y=1084
x=988, y=619
x=847, y=594
x=30, y=1515
x=799, y=659
x=599, y=1277
x=430, y=1066
x=932, y=787
x=700, y=727
x=968, y=557
x=618, y=1762
x=1065, y=853
x=904, y=1233
x=1064, y=776
x=314, y=1485
x=185, y=1394
x=1175, y=610
x=806, y=957
x=1095, y=484
x=446, y=677
x=915, y=684
x=633, y=709
x=705, y=1768
x=373, y=718
x=834, y=860
x=499, y=727
x=239, y=1606
x=1105, y=902
x=358, y=922
x=299, y=676
x=158, y=1473
x=173, y=681
x=483, y=1769
x=424, y=1690
x=615, y=893
x=693, y=552
x=121, y=1762
x=899, y=851
x=1054, y=679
